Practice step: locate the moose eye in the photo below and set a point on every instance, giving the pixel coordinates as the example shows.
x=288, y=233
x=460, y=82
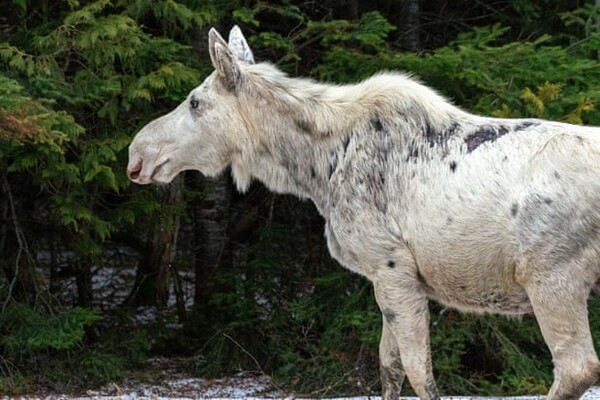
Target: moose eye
x=194, y=103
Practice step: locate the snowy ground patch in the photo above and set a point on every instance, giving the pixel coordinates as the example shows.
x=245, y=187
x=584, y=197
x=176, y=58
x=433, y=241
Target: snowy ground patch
x=176, y=386
x=163, y=380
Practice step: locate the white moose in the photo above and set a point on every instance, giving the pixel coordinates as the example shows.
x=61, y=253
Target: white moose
x=425, y=200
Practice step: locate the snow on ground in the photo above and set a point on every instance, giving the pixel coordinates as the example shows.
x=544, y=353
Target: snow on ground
x=234, y=388
x=163, y=381
x=238, y=387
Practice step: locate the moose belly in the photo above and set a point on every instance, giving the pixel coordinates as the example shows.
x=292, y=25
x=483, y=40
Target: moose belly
x=479, y=277
x=475, y=292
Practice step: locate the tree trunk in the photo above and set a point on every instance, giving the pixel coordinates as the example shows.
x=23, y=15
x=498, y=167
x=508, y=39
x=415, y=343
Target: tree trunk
x=83, y=280
x=411, y=39
x=211, y=217
x=152, y=281
x=16, y=261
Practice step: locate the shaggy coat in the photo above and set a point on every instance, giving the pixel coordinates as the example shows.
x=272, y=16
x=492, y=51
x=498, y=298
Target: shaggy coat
x=425, y=200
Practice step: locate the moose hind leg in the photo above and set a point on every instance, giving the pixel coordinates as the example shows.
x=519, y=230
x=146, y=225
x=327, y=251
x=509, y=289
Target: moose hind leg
x=561, y=312
x=391, y=369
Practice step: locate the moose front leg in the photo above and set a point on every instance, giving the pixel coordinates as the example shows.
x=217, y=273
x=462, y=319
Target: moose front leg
x=406, y=318
x=390, y=364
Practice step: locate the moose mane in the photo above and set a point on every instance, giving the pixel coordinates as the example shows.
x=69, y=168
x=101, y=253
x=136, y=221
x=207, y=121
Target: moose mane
x=330, y=109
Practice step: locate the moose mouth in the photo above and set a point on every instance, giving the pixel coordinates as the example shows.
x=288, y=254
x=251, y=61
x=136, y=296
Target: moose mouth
x=135, y=173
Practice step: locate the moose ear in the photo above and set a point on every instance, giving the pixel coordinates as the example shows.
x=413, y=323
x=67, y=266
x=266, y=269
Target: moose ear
x=239, y=46
x=227, y=66
x=213, y=38
x=223, y=60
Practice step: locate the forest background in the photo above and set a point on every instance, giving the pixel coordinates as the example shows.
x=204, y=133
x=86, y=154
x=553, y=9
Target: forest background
x=238, y=282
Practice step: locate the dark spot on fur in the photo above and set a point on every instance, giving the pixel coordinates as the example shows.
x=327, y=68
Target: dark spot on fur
x=491, y=133
x=303, y=126
x=440, y=137
x=524, y=125
x=451, y=130
x=548, y=200
x=453, y=166
x=462, y=287
x=313, y=173
x=194, y=102
x=432, y=136
x=488, y=133
x=376, y=123
x=420, y=278
x=449, y=220
x=514, y=209
x=391, y=264
x=392, y=377
x=345, y=143
x=374, y=183
x=412, y=153
x=390, y=315
x=556, y=175
x=332, y=166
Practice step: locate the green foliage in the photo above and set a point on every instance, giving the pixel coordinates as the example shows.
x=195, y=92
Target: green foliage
x=118, y=350
x=37, y=341
x=95, y=60
x=369, y=32
x=30, y=131
x=27, y=330
x=488, y=355
x=582, y=35
x=484, y=77
x=547, y=102
x=53, y=346
x=76, y=81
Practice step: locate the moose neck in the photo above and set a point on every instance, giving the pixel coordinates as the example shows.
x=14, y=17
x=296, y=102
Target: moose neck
x=287, y=159
x=299, y=131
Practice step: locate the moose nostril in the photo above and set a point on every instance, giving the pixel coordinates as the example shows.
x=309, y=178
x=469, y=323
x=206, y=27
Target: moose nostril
x=134, y=172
